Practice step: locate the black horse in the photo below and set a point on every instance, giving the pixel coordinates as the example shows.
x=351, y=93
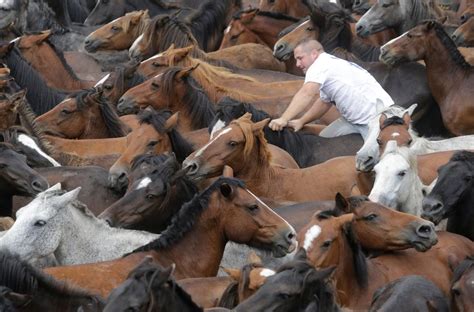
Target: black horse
x=453, y=195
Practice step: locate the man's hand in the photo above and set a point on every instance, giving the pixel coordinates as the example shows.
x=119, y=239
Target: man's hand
x=278, y=124
x=296, y=124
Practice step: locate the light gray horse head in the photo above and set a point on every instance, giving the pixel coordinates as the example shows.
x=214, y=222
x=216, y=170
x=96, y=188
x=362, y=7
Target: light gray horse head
x=13, y=13
x=34, y=234
x=401, y=15
x=368, y=155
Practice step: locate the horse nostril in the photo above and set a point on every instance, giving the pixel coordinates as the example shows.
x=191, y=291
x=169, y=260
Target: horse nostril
x=279, y=47
x=109, y=222
x=37, y=186
x=122, y=177
x=454, y=37
x=192, y=168
x=424, y=230
x=291, y=235
x=87, y=41
x=359, y=28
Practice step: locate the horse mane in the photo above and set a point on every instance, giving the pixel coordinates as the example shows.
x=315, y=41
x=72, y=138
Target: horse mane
x=274, y=15
x=462, y=268
x=164, y=30
x=394, y=120
x=419, y=10
x=23, y=278
x=185, y=219
x=464, y=156
x=263, y=154
x=180, y=146
x=25, y=75
x=450, y=46
x=230, y=297
x=114, y=125
x=346, y=55
x=406, y=153
x=196, y=102
x=4, y=146
x=208, y=19
x=290, y=28
x=245, y=276
x=295, y=143
x=358, y=257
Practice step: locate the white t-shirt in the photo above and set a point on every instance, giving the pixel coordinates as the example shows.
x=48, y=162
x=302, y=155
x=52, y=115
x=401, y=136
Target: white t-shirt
x=351, y=87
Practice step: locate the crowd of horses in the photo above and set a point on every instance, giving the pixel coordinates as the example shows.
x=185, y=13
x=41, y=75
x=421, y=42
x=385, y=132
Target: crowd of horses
x=138, y=172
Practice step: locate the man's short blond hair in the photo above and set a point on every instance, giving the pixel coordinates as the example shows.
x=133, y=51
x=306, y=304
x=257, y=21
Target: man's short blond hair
x=308, y=45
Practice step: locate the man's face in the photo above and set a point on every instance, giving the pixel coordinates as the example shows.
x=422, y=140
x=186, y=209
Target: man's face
x=304, y=59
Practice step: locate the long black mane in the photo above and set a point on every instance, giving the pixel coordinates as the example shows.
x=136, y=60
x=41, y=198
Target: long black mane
x=181, y=147
x=187, y=216
x=358, y=257
x=41, y=97
x=114, y=125
x=197, y=103
x=449, y=44
x=274, y=15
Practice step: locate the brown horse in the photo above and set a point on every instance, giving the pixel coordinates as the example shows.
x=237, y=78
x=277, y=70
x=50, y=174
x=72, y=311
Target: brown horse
x=357, y=277
x=449, y=75
x=9, y=108
x=242, y=146
x=224, y=211
x=464, y=34
x=87, y=115
x=118, y=34
x=462, y=286
x=296, y=8
x=205, y=83
x=50, y=62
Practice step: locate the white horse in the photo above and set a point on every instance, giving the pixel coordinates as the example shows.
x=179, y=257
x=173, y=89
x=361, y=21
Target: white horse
x=56, y=223
x=397, y=184
x=368, y=155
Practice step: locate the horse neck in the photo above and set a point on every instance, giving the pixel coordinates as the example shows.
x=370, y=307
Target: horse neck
x=95, y=127
x=267, y=28
x=460, y=222
x=424, y=146
x=94, y=240
x=364, y=51
x=200, y=251
x=444, y=75
x=45, y=298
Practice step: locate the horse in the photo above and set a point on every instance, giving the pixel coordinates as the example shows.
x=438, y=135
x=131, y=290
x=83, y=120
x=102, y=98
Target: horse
x=296, y=286
x=293, y=8
x=306, y=148
x=86, y=115
x=413, y=291
x=150, y=287
x=451, y=196
x=118, y=34
x=226, y=204
x=335, y=241
x=397, y=184
x=50, y=62
x=14, y=15
x=400, y=15
x=16, y=178
x=106, y=11
x=461, y=288
x=119, y=81
x=209, y=85
x=157, y=190
x=445, y=68
x=463, y=35
x=29, y=289
x=56, y=223
x=242, y=146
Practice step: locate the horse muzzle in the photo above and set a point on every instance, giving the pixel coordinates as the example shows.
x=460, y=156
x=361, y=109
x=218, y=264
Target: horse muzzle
x=433, y=210
x=282, y=52
x=92, y=45
x=424, y=236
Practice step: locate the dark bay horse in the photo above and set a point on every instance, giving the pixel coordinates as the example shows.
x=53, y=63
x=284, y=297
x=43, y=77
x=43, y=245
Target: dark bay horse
x=356, y=276
x=296, y=8
x=449, y=75
x=462, y=285
x=150, y=287
x=33, y=290
x=452, y=196
x=119, y=81
x=85, y=115
x=306, y=148
x=463, y=36
x=228, y=206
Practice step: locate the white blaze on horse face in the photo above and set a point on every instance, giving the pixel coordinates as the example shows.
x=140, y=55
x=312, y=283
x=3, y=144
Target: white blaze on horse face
x=15, y=40
x=267, y=273
x=143, y=183
x=27, y=141
x=136, y=43
x=154, y=57
x=199, y=153
x=218, y=126
x=101, y=81
x=226, y=31
x=311, y=234
x=393, y=40
x=395, y=134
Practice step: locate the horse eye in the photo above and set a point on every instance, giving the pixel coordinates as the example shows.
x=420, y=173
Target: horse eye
x=402, y=173
x=326, y=244
x=310, y=28
x=386, y=5
x=456, y=292
x=468, y=178
x=284, y=296
x=379, y=142
x=233, y=143
x=152, y=143
x=370, y=217
x=409, y=35
x=108, y=87
x=155, y=85
x=40, y=223
x=253, y=208
x=115, y=28
x=156, y=64
x=66, y=112
x=150, y=196
x=2, y=166
x=233, y=37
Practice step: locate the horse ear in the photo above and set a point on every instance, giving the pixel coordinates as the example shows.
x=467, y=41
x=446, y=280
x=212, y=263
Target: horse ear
x=411, y=109
x=18, y=299
x=71, y=195
x=228, y=172
x=43, y=36
x=260, y=125
x=234, y=273
x=171, y=122
x=136, y=17
x=249, y=16
x=382, y=119
x=55, y=187
x=407, y=120
x=182, y=53
x=226, y=190
x=169, y=270
x=430, y=24
x=170, y=48
x=442, y=19
x=254, y=258
x=342, y=204
x=185, y=72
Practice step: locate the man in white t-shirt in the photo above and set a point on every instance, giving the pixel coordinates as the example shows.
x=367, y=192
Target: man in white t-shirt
x=351, y=88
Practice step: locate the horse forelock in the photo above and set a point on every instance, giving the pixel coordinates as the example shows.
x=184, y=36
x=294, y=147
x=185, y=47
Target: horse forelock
x=252, y=139
x=394, y=120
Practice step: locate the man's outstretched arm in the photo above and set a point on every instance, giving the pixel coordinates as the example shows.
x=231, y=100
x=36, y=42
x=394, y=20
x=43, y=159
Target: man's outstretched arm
x=318, y=109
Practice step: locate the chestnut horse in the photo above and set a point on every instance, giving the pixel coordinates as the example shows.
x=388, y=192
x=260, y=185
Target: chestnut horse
x=463, y=36
x=87, y=115
x=463, y=279
x=50, y=62
x=242, y=146
x=226, y=210
x=449, y=75
x=340, y=243
x=296, y=8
